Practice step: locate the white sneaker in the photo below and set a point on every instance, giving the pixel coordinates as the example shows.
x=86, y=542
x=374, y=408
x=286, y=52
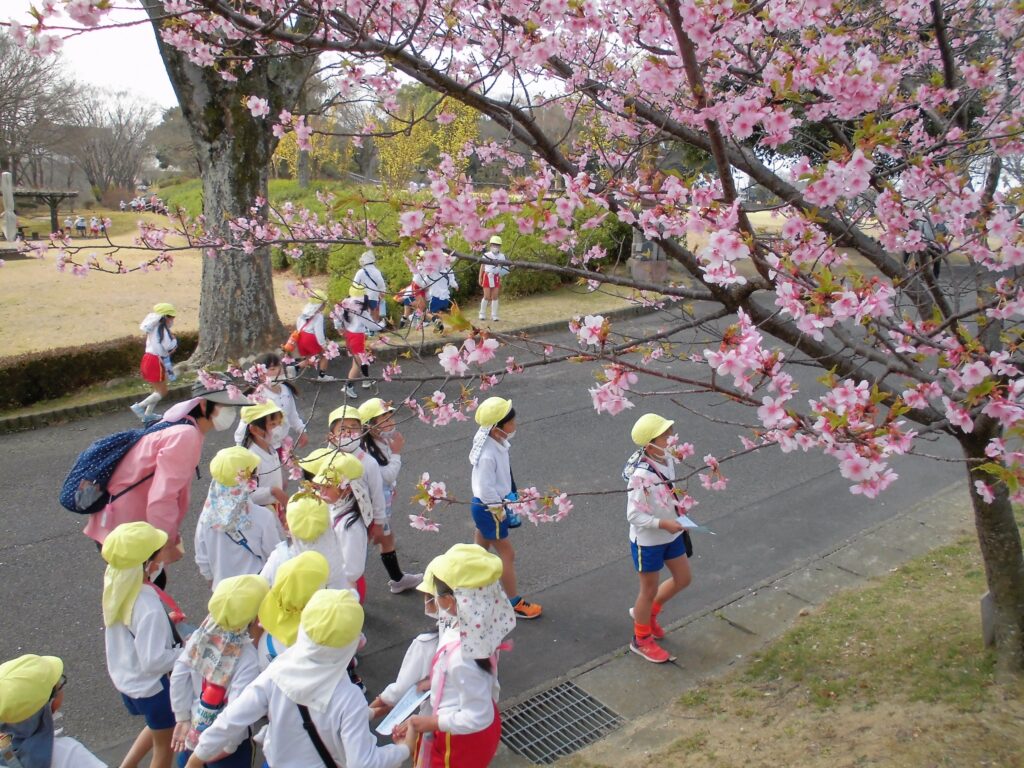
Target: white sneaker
x=139, y=410
x=325, y=377
x=482, y=317
x=367, y=383
x=350, y=391
x=494, y=319
x=407, y=582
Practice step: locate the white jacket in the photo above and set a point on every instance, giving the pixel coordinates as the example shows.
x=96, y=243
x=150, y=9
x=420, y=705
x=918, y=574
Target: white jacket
x=187, y=684
x=492, y=473
x=268, y=476
x=441, y=284
x=648, y=501
x=141, y=653
x=220, y=556
x=314, y=326
x=344, y=729
x=466, y=704
x=285, y=400
x=155, y=345
x=372, y=280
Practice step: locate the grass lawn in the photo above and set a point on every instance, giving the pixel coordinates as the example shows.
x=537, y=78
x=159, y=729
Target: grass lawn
x=888, y=675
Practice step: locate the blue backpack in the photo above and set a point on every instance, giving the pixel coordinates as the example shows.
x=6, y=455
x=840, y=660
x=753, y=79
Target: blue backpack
x=85, y=488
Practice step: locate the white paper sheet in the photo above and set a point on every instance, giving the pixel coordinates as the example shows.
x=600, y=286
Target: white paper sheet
x=686, y=522
x=406, y=706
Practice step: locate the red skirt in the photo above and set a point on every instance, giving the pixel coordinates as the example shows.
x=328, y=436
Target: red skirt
x=152, y=368
x=491, y=281
x=308, y=345
x=470, y=750
x=355, y=343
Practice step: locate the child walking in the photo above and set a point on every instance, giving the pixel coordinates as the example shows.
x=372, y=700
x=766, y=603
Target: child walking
x=141, y=640
x=489, y=279
x=218, y=663
x=265, y=432
x=370, y=278
x=274, y=386
x=492, y=486
x=312, y=342
x=384, y=444
x=156, y=362
x=656, y=538
x=234, y=536
x=354, y=321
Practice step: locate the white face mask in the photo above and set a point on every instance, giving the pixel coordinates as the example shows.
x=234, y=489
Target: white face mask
x=277, y=435
x=509, y=436
x=223, y=418
x=347, y=442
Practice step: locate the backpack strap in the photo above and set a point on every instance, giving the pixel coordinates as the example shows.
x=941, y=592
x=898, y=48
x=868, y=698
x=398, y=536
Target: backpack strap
x=318, y=744
x=242, y=542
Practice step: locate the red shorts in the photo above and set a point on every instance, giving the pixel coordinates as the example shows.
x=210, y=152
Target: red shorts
x=471, y=750
x=355, y=342
x=491, y=281
x=308, y=345
x=152, y=368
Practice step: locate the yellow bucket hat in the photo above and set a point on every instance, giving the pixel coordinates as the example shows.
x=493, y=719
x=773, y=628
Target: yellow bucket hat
x=343, y=412
x=492, y=410
x=297, y=581
x=236, y=601
x=166, y=309
x=342, y=466
x=316, y=297
x=373, y=408
x=230, y=462
x=333, y=618
x=132, y=544
x=308, y=517
x=253, y=412
x=464, y=566
x=26, y=684
x=495, y=240
x=648, y=427
x=356, y=291
x=316, y=459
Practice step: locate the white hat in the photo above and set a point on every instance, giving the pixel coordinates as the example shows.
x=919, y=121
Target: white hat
x=368, y=257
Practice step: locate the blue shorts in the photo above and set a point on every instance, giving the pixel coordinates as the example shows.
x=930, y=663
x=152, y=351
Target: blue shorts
x=489, y=528
x=240, y=758
x=647, y=559
x=372, y=303
x=439, y=305
x=156, y=709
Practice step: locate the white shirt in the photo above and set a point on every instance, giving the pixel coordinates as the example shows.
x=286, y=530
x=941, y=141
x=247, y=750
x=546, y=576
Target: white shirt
x=263, y=656
x=352, y=544
x=648, y=501
x=314, y=326
x=388, y=472
x=285, y=400
x=372, y=280
x=161, y=347
x=415, y=667
x=467, y=700
x=140, y=654
x=268, y=475
x=187, y=684
x=282, y=553
x=441, y=284
x=494, y=269
x=375, y=484
x=492, y=473
x=220, y=556
x=69, y=753
x=344, y=729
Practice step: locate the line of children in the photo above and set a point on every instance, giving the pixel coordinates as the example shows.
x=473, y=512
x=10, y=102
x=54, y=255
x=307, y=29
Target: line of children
x=156, y=367
x=492, y=486
x=234, y=536
x=656, y=537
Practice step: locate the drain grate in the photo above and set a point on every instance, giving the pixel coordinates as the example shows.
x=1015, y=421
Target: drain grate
x=556, y=723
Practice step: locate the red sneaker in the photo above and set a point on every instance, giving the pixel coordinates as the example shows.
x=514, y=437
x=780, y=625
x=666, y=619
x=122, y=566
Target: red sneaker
x=650, y=650
x=657, y=631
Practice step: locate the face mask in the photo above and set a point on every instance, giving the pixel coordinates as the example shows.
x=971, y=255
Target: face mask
x=223, y=418
x=277, y=435
x=347, y=442
x=509, y=436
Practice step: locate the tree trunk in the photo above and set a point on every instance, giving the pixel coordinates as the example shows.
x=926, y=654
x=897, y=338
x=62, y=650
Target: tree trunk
x=303, y=169
x=237, y=310
x=1000, y=543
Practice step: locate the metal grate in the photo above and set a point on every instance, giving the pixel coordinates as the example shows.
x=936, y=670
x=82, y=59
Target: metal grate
x=556, y=723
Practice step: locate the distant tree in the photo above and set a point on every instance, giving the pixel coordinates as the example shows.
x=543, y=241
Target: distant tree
x=110, y=142
x=172, y=143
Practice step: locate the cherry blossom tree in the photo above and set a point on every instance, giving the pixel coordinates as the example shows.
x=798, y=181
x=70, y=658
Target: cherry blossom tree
x=880, y=128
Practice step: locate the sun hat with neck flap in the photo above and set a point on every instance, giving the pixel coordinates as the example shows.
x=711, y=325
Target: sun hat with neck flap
x=125, y=550
x=229, y=463
x=236, y=601
x=26, y=684
x=296, y=582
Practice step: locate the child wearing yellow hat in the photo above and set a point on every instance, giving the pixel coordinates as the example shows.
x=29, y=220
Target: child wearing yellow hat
x=464, y=727
x=297, y=580
x=234, y=536
x=274, y=385
x=218, y=663
x=31, y=693
x=156, y=362
x=384, y=444
x=140, y=638
x=656, y=538
x=265, y=432
x=492, y=486
x=315, y=713
x=345, y=434
x=489, y=278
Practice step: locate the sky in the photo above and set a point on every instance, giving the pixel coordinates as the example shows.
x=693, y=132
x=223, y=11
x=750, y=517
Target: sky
x=119, y=59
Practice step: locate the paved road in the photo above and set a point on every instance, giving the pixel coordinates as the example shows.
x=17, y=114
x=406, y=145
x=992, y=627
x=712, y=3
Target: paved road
x=779, y=508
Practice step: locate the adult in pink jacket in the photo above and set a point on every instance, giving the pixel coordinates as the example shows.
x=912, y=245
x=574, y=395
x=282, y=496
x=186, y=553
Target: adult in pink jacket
x=165, y=462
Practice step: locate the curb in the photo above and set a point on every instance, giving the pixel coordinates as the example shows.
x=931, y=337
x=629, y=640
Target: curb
x=9, y=424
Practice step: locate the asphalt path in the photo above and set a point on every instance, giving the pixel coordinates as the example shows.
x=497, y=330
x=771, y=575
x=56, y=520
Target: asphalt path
x=779, y=508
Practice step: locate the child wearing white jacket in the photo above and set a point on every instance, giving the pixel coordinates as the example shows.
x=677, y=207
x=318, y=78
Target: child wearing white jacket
x=156, y=362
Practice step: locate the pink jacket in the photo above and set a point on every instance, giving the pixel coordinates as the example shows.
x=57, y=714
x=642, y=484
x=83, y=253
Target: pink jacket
x=172, y=454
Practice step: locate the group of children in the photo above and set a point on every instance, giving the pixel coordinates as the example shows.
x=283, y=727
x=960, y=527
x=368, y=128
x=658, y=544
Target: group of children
x=94, y=227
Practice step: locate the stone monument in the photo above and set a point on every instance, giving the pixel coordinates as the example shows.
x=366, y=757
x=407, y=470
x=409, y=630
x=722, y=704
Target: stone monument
x=10, y=221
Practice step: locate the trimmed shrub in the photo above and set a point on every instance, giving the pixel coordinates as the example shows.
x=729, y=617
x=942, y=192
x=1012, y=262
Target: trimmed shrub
x=35, y=376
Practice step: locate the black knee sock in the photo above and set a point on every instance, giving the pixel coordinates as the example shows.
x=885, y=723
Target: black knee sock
x=365, y=368
x=390, y=560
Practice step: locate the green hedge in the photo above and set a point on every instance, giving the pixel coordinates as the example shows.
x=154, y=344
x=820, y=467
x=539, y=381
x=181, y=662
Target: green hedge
x=35, y=376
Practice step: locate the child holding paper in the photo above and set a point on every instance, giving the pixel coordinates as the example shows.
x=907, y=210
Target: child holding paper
x=656, y=537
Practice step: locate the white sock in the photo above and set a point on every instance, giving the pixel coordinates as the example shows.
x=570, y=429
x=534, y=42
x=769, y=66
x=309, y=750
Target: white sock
x=151, y=401
x=494, y=309
x=483, y=307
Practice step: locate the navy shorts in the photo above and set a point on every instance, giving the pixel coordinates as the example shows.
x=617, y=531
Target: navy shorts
x=156, y=709
x=372, y=303
x=439, y=305
x=240, y=758
x=647, y=559
x=489, y=528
